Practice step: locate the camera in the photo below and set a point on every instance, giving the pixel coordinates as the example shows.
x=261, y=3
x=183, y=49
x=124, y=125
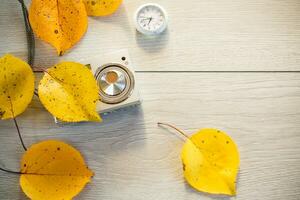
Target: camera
x=115, y=77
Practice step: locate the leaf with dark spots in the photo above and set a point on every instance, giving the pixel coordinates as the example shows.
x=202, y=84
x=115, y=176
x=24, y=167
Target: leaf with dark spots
x=211, y=166
x=15, y=93
x=67, y=97
x=210, y=161
x=101, y=7
x=54, y=22
x=53, y=174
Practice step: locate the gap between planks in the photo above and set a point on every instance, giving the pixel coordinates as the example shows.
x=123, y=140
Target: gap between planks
x=142, y=71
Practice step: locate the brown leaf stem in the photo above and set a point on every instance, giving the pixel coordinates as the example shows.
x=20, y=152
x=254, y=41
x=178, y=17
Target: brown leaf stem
x=29, y=34
x=183, y=134
x=36, y=92
x=177, y=129
x=19, y=133
x=10, y=171
x=38, y=70
x=16, y=124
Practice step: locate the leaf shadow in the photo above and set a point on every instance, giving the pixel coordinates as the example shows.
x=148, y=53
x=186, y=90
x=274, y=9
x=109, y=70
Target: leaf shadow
x=106, y=147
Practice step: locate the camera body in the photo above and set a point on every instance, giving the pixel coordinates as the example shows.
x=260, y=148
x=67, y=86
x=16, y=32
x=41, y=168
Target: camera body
x=115, y=76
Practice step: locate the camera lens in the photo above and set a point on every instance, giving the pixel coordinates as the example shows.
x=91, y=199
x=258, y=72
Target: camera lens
x=115, y=81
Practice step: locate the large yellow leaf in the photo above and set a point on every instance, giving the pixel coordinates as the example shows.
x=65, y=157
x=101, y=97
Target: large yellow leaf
x=101, y=7
x=59, y=22
x=211, y=162
x=16, y=86
x=69, y=91
x=53, y=170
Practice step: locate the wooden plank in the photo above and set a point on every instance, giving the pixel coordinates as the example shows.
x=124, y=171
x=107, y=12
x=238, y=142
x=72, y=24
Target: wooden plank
x=134, y=159
x=235, y=35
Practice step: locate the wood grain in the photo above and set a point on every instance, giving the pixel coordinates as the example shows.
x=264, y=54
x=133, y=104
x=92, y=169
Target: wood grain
x=234, y=35
x=134, y=159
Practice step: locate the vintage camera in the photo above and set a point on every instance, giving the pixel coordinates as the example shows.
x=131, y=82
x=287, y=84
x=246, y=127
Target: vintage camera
x=115, y=76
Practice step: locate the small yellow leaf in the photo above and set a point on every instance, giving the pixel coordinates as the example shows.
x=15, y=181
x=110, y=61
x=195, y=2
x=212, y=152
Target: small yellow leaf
x=211, y=162
x=61, y=23
x=101, y=7
x=53, y=170
x=69, y=91
x=16, y=86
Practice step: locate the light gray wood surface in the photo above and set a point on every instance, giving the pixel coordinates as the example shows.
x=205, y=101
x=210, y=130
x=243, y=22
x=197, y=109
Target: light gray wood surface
x=132, y=158
x=135, y=159
x=203, y=35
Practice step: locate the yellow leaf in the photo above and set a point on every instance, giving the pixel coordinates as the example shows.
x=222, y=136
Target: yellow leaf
x=101, y=7
x=53, y=170
x=69, y=91
x=211, y=162
x=59, y=22
x=16, y=86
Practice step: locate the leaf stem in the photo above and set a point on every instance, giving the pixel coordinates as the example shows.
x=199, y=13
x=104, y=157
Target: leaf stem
x=16, y=124
x=20, y=173
x=9, y=171
x=187, y=137
x=29, y=34
x=177, y=129
x=38, y=70
x=36, y=93
x=19, y=133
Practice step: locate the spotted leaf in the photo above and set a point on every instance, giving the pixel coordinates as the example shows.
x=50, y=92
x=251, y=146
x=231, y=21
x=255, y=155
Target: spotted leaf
x=69, y=91
x=16, y=86
x=101, y=7
x=211, y=162
x=61, y=23
x=53, y=170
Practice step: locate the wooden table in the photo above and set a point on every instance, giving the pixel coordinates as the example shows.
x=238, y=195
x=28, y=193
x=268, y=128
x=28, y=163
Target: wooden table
x=233, y=65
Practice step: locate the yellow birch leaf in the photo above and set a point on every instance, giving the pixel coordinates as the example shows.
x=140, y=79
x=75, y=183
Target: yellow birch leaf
x=69, y=91
x=16, y=86
x=53, y=170
x=101, y=7
x=61, y=23
x=211, y=162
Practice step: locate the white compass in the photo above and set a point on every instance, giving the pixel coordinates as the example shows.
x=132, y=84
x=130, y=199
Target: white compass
x=151, y=19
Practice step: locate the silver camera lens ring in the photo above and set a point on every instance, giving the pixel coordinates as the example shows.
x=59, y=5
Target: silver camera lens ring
x=129, y=78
